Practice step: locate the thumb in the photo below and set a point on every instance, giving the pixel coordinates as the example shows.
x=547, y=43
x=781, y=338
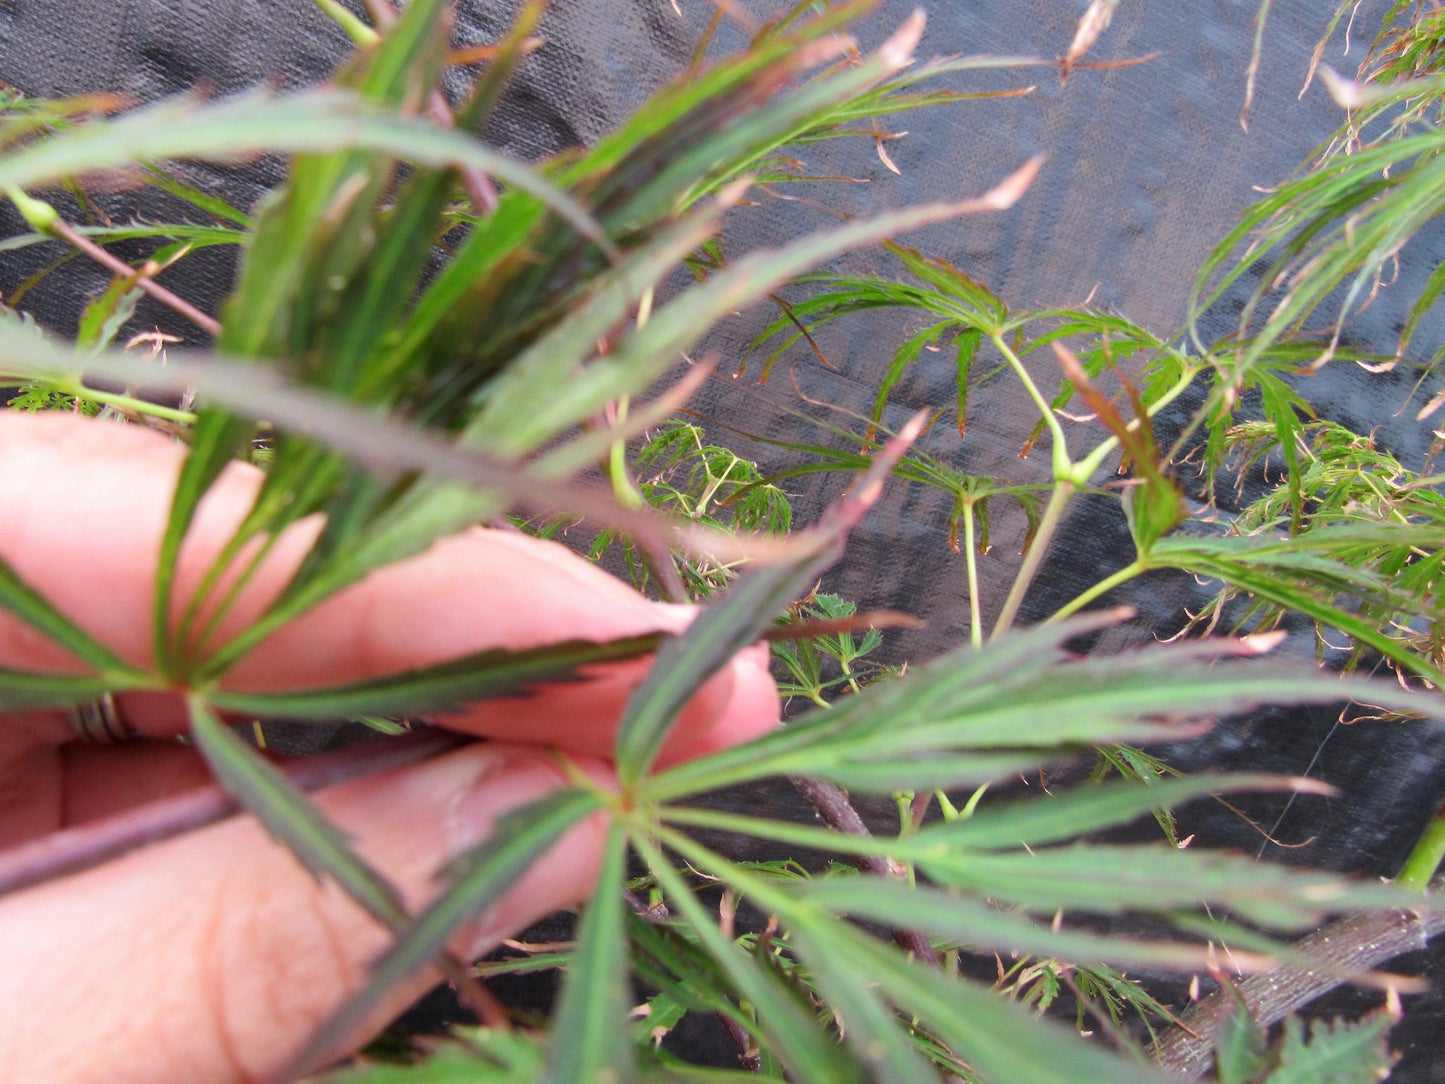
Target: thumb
x=214, y=955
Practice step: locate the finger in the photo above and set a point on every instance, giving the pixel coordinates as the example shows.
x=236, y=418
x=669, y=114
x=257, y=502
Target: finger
x=86, y=504
x=484, y=589
x=749, y=711
x=92, y=499
x=213, y=956
x=477, y=590
x=86, y=507
x=51, y=788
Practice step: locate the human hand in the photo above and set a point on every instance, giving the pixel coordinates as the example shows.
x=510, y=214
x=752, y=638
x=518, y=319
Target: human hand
x=211, y=957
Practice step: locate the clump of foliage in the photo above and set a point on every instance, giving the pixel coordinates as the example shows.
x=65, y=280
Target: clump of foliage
x=402, y=405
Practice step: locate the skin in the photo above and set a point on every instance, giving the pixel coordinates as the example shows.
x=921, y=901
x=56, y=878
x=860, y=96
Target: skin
x=210, y=957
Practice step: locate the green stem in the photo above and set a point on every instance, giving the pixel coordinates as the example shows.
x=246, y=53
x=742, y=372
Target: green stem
x=354, y=28
x=1426, y=856
x=970, y=557
x=1053, y=513
x=131, y=404
x=1108, y=583
x=1061, y=462
x=128, y=403
x=970, y=807
x=623, y=487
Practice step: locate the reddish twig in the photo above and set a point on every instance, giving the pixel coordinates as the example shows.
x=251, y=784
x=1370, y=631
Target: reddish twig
x=748, y=1053
x=478, y=186
x=868, y=619
x=838, y=813
x=206, y=323
x=473, y=993
x=74, y=849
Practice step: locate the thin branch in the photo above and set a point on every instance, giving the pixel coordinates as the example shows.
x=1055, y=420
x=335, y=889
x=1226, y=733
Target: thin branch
x=382, y=12
x=74, y=849
x=206, y=323
x=1353, y=944
x=748, y=1054
x=838, y=813
x=474, y=994
x=656, y=912
x=479, y=187
x=1053, y=512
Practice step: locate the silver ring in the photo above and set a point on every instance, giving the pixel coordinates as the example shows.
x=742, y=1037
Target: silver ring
x=100, y=722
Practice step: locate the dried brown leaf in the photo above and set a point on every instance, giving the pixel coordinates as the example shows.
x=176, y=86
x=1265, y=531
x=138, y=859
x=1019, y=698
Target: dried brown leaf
x=1095, y=21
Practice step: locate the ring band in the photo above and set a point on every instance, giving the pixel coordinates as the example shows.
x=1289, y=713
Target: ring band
x=100, y=722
